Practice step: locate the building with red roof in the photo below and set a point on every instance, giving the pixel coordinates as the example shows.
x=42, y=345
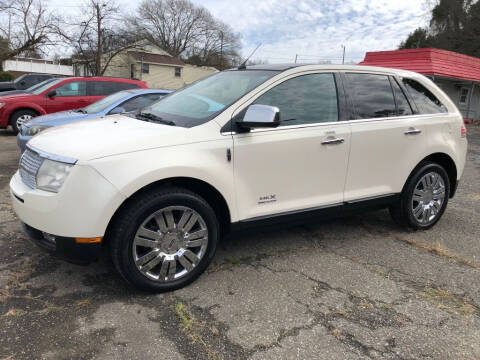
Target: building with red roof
x=456, y=74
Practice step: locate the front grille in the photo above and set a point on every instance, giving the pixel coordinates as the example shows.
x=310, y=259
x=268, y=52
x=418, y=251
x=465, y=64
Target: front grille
x=30, y=162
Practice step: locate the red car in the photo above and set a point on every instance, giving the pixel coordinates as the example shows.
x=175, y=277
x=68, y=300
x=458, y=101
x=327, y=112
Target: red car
x=59, y=95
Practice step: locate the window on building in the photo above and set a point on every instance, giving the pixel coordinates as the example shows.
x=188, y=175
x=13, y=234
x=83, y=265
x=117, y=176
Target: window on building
x=145, y=68
x=464, y=92
x=426, y=102
x=132, y=71
x=306, y=99
x=178, y=72
x=373, y=95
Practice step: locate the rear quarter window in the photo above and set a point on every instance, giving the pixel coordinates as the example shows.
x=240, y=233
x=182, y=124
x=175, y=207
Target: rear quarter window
x=426, y=102
x=104, y=88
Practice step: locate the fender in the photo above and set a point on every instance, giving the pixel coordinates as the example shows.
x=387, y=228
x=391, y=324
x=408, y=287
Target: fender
x=25, y=105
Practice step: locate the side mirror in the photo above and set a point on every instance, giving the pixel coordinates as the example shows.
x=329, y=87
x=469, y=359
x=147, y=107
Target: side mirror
x=117, y=110
x=52, y=93
x=260, y=116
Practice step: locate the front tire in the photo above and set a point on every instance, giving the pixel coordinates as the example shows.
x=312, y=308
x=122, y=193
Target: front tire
x=424, y=197
x=164, y=239
x=19, y=117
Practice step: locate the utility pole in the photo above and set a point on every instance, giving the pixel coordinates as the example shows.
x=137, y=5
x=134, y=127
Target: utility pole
x=343, y=57
x=99, y=39
x=296, y=57
x=9, y=29
x=221, y=50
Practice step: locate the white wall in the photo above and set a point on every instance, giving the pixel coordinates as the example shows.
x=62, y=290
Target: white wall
x=35, y=67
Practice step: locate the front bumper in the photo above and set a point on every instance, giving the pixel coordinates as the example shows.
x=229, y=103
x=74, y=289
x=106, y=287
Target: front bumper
x=81, y=209
x=64, y=247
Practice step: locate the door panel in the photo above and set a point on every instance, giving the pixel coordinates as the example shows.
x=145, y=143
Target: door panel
x=385, y=144
x=71, y=95
x=382, y=155
x=289, y=169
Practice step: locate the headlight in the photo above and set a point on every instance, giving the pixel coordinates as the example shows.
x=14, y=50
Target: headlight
x=33, y=130
x=52, y=175
x=2, y=104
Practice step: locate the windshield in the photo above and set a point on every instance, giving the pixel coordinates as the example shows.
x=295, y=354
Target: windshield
x=106, y=102
x=20, y=78
x=206, y=98
x=46, y=86
x=37, y=86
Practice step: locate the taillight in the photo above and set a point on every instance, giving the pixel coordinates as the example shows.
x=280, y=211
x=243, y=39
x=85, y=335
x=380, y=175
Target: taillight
x=463, y=132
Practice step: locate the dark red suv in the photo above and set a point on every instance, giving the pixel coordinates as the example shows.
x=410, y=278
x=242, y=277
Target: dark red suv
x=59, y=95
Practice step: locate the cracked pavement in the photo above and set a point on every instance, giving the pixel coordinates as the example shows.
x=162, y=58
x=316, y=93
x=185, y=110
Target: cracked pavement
x=352, y=288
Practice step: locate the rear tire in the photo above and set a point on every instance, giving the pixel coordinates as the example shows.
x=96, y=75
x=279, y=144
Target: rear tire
x=19, y=117
x=164, y=239
x=424, y=197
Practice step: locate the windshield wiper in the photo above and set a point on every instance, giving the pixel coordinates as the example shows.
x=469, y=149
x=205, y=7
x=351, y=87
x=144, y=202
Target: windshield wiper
x=154, y=118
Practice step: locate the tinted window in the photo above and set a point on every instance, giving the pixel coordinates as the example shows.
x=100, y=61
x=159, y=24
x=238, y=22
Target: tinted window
x=373, y=95
x=76, y=88
x=305, y=99
x=426, y=102
x=403, y=106
x=103, y=88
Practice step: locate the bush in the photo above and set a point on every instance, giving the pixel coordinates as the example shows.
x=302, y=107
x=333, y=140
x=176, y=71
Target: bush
x=5, y=76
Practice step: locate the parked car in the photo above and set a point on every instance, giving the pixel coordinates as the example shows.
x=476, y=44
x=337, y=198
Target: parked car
x=24, y=82
x=268, y=144
x=59, y=95
x=118, y=103
x=26, y=91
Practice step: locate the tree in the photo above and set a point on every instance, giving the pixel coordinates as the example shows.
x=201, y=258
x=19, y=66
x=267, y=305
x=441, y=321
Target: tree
x=417, y=39
x=97, y=36
x=187, y=31
x=27, y=27
x=454, y=25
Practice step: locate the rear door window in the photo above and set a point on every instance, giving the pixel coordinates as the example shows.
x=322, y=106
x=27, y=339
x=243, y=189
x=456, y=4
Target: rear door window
x=403, y=106
x=426, y=102
x=372, y=94
x=104, y=88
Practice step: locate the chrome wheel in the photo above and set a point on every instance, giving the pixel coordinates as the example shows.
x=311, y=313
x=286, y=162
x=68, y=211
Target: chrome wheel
x=170, y=243
x=428, y=198
x=22, y=119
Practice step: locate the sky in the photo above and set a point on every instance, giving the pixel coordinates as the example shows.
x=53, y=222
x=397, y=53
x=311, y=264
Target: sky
x=310, y=30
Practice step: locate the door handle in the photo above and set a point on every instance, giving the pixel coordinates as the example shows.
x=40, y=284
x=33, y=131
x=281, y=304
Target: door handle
x=413, y=131
x=333, y=141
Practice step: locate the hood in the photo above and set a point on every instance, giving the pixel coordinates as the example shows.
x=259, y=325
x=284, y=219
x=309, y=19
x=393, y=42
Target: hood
x=17, y=97
x=60, y=118
x=113, y=135
x=12, y=92
x=7, y=85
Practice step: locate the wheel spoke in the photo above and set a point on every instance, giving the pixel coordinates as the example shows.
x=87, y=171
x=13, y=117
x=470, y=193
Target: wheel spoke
x=189, y=225
x=172, y=268
x=191, y=256
x=149, y=234
x=146, y=258
x=185, y=263
x=196, y=242
x=152, y=264
x=183, y=220
x=169, y=219
x=145, y=242
x=163, y=270
x=418, y=210
x=418, y=195
x=425, y=215
x=159, y=219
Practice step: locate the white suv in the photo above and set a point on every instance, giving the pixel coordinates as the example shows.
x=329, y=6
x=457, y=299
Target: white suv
x=244, y=147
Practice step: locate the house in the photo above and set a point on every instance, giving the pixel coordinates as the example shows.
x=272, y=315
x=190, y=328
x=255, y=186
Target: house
x=153, y=65
x=19, y=66
x=456, y=74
